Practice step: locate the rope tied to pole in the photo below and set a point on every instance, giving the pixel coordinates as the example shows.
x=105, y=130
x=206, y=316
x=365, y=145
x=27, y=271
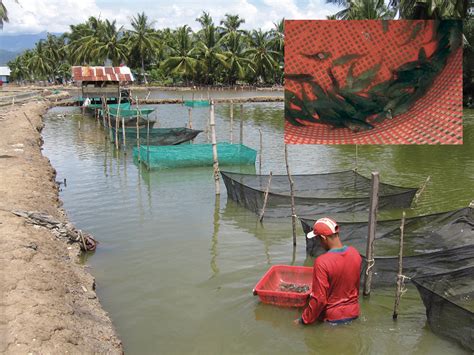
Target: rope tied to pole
x=403, y=288
x=370, y=265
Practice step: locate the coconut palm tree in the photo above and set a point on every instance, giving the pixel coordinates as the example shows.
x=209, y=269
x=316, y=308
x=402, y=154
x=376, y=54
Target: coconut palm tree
x=110, y=44
x=181, y=54
x=208, y=49
x=262, y=56
x=231, y=24
x=414, y=9
x=4, y=13
x=277, y=34
x=429, y=9
x=143, y=39
x=236, y=59
x=365, y=10
x=40, y=64
x=19, y=67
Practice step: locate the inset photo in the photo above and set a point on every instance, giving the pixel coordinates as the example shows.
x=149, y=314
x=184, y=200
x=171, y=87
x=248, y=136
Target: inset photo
x=373, y=82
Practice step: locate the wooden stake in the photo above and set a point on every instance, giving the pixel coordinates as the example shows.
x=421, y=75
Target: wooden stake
x=231, y=121
x=117, y=121
x=293, y=212
x=138, y=129
x=374, y=202
x=212, y=124
x=420, y=191
x=190, y=118
x=260, y=154
x=356, y=156
x=241, y=124
x=148, y=143
x=260, y=218
x=399, y=291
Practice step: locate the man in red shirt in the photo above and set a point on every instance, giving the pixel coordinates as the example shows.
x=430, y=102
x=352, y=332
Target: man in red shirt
x=336, y=278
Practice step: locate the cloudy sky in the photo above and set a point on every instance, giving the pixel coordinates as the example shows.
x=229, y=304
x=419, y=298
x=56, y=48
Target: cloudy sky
x=34, y=16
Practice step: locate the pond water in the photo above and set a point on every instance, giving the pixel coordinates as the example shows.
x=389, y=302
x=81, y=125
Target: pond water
x=175, y=266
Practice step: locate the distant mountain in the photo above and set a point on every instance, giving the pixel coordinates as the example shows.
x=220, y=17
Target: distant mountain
x=18, y=43
x=6, y=56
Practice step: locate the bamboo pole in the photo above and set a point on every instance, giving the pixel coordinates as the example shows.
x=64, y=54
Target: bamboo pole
x=265, y=199
x=148, y=143
x=190, y=118
x=231, y=121
x=138, y=129
x=420, y=191
x=212, y=124
x=117, y=121
x=108, y=120
x=400, y=277
x=374, y=202
x=356, y=158
x=293, y=212
x=103, y=113
x=241, y=124
x=260, y=153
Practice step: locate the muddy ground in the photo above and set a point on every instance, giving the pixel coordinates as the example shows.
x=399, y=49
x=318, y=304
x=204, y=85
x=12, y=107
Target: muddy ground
x=47, y=300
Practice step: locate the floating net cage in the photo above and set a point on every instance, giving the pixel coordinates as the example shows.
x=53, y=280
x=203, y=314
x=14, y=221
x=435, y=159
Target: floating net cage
x=156, y=136
x=130, y=112
x=449, y=302
x=196, y=103
x=338, y=192
x=422, y=234
x=157, y=157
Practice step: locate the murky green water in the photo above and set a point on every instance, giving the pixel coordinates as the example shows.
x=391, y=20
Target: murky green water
x=176, y=268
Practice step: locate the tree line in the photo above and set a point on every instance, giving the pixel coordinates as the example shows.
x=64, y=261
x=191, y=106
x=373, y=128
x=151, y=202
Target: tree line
x=215, y=54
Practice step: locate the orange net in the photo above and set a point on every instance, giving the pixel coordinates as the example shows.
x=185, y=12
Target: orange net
x=433, y=119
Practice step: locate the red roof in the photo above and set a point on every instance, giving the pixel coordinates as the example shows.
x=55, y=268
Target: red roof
x=102, y=74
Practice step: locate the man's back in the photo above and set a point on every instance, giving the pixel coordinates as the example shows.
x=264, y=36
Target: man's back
x=335, y=293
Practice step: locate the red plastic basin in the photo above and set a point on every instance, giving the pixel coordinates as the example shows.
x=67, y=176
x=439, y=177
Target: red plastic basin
x=268, y=288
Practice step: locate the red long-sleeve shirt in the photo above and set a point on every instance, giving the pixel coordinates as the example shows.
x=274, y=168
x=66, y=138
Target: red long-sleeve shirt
x=335, y=292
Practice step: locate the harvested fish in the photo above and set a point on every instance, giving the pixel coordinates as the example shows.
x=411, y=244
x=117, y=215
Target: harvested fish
x=288, y=287
x=414, y=32
x=356, y=107
x=345, y=59
x=299, y=77
x=317, y=56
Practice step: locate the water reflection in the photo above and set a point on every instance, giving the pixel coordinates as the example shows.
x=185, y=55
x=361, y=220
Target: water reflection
x=167, y=243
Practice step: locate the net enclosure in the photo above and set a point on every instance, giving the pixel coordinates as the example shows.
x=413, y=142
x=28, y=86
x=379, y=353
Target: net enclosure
x=449, y=303
x=345, y=191
x=196, y=103
x=157, y=157
x=422, y=234
x=130, y=112
x=156, y=136
x=385, y=268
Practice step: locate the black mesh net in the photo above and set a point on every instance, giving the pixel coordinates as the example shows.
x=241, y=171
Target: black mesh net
x=385, y=269
x=422, y=234
x=449, y=302
x=345, y=191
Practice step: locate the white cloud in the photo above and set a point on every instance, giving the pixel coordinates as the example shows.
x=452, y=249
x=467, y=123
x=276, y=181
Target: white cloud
x=35, y=16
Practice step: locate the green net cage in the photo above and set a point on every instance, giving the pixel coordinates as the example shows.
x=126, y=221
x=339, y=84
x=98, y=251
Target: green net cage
x=196, y=103
x=158, y=157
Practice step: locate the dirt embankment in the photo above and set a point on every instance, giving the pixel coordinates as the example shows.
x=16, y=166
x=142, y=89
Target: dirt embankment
x=47, y=300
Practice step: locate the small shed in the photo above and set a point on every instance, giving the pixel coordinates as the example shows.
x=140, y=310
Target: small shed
x=5, y=74
x=101, y=81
